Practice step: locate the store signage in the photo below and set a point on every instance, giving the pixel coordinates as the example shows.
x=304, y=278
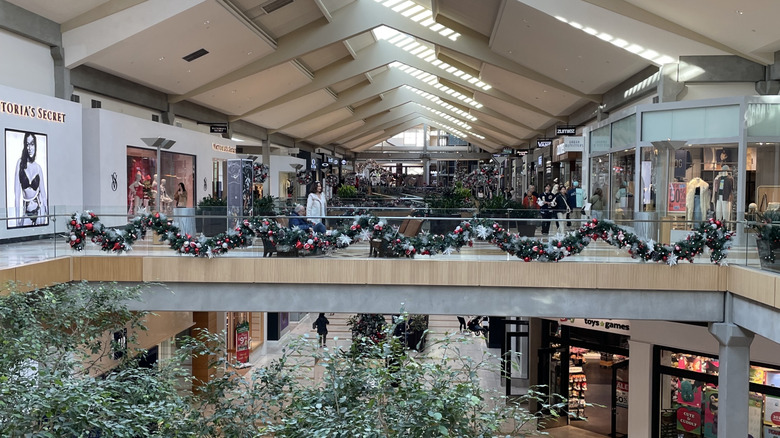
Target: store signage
x=565, y=130
x=689, y=420
x=32, y=112
x=621, y=394
x=571, y=144
x=603, y=325
x=506, y=151
x=540, y=161
x=543, y=142
x=677, y=191
x=522, y=153
x=242, y=343
x=223, y=148
x=221, y=128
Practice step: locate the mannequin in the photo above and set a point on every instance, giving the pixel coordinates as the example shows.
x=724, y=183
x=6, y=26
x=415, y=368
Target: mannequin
x=136, y=190
x=165, y=200
x=697, y=200
x=723, y=194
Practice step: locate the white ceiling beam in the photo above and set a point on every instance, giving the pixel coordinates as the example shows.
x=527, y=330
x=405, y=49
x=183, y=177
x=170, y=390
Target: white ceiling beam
x=98, y=12
x=634, y=12
x=362, y=16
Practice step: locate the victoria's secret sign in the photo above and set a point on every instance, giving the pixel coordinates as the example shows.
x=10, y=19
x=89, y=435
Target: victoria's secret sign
x=31, y=111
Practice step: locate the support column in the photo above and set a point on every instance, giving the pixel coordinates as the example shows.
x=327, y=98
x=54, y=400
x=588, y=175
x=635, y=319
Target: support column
x=426, y=158
x=200, y=364
x=266, y=144
x=733, y=378
x=640, y=370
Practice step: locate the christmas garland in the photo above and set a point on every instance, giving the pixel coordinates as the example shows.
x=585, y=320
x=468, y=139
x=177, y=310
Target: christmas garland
x=304, y=178
x=711, y=234
x=485, y=176
x=260, y=172
x=331, y=180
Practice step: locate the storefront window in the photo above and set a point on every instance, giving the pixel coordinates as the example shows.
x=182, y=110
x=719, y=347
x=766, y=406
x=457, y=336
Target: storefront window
x=648, y=176
x=689, y=402
x=622, y=194
x=763, y=179
x=600, y=139
x=175, y=169
x=599, y=184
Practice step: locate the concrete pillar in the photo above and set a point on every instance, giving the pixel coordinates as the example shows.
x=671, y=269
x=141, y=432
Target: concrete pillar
x=640, y=391
x=426, y=161
x=266, y=144
x=200, y=364
x=733, y=377
x=670, y=87
x=62, y=86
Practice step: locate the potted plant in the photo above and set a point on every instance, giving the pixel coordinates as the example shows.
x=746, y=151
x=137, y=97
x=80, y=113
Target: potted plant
x=768, y=239
x=212, y=216
x=264, y=206
x=416, y=332
x=526, y=227
x=447, y=204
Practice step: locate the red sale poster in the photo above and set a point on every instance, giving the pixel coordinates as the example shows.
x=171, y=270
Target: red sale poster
x=677, y=197
x=242, y=343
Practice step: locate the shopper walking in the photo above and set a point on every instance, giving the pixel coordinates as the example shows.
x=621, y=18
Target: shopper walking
x=316, y=203
x=547, y=205
x=561, y=209
x=321, y=325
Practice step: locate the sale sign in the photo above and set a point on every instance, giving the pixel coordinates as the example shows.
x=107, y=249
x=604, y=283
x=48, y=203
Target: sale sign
x=242, y=343
x=677, y=191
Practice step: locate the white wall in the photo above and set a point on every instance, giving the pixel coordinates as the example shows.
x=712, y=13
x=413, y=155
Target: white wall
x=280, y=163
x=718, y=89
x=107, y=136
x=27, y=64
x=63, y=166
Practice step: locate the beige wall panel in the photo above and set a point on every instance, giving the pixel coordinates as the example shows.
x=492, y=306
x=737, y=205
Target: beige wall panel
x=110, y=268
x=537, y=274
x=313, y=270
x=685, y=276
x=163, y=325
x=422, y=272
x=752, y=284
x=44, y=273
x=6, y=275
x=190, y=269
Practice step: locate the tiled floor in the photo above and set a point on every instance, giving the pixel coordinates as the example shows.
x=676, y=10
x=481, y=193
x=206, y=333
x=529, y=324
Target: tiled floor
x=339, y=337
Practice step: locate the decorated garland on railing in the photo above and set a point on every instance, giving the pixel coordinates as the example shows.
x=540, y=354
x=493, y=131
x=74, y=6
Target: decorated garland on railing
x=710, y=234
x=260, y=172
x=304, y=178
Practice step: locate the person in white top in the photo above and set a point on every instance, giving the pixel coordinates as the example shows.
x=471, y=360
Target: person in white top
x=316, y=203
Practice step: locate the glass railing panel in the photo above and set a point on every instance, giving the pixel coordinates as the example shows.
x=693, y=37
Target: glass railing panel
x=43, y=243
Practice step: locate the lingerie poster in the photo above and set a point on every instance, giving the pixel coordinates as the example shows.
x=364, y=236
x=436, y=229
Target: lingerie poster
x=26, y=170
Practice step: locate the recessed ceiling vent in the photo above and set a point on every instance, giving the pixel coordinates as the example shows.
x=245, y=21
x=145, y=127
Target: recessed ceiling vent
x=195, y=55
x=273, y=5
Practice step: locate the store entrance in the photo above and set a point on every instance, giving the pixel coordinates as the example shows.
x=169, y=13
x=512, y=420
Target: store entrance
x=594, y=365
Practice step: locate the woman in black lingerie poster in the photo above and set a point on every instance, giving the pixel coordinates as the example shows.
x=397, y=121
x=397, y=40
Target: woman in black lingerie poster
x=30, y=188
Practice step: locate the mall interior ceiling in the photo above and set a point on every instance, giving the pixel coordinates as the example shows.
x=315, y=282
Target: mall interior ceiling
x=345, y=75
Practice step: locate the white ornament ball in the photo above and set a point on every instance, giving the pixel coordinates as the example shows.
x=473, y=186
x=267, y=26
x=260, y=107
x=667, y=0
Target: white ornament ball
x=72, y=237
x=225, y=245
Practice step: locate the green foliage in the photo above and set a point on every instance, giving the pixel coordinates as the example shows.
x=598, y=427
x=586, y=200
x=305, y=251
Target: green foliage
x=53, y=342
x=347, y=192
x=449, y=201
x=209, y=201
x=264, y=206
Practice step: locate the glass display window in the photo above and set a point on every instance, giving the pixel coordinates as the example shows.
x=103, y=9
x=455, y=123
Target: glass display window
x=176, y=179
x=599, y=185
x=622, y=192
x=688, y=404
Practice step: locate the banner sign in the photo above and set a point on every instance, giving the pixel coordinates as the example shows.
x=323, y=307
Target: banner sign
x=621, y=392
x=242, y=342
x=677, y=191
x=543, y=142
x=218, y=129
x=565, y=130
